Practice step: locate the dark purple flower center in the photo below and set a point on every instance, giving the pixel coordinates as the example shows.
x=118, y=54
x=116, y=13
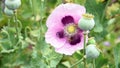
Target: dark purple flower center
x=60, y=34
x=67, y=19
x=75, y=39
x=70, y=31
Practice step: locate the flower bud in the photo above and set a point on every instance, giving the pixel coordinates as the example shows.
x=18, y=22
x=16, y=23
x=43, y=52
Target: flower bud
x=8, y=11
x=86, y=22
x=12, y=4
x=91, y=40
x=92, y=52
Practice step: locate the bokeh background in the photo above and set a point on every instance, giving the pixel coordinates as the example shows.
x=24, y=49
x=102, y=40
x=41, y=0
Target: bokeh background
x=29, y=49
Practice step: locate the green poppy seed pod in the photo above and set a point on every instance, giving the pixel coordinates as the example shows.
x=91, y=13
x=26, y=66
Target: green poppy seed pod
x=92, y=52
x=86, y=22
x=13, y=4
x=8, y=11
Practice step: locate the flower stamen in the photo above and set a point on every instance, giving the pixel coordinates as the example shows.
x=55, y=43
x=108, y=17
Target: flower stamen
x=70, y=29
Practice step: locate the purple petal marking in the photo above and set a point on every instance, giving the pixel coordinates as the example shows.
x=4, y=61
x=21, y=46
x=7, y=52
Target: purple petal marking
x=67, y=19
x=75, y=39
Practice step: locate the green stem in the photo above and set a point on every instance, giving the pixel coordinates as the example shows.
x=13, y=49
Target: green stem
x=7, y=33
x=9, y=22
x=85, y=50
x=33, y=8
x=26, y=31
x=32, y=4
x=93, y=62
x=40, y=23
x=16, y=24
x=18, y=27
x=103, y=15
x=77, y=62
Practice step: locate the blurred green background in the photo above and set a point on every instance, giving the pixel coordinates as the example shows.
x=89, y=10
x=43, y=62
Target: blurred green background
x=30, y=50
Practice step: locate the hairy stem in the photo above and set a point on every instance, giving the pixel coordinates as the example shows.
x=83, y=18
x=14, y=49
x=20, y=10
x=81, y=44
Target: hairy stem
x=16, y=24
x=77, y=62
x=40, y=23
x=85, y=50
x=85, y=44
x=103, y=15
x=93, y=62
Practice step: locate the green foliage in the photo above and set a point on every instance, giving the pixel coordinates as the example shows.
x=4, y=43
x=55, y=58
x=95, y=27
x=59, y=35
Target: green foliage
x=81, y=2
x=117, y=55
x=25, y=47
x=97, y=9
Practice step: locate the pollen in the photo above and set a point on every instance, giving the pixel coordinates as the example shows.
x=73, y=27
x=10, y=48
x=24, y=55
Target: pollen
x=70, y=29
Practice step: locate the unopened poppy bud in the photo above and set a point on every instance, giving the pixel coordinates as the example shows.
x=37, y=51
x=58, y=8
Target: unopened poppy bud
x=91, y=40
x=8, y=11
x=13, y=4
x=86, y=22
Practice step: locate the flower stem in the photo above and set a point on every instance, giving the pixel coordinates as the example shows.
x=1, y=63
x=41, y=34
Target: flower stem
x=26, y=31
x=93, y=63
x=16, y=24
x=9, y=22
x=8, y=33
x=84, y=51
x=40, y=23
x=32, y=5
x=103, y=15
x=77, y=62
x=18, y=27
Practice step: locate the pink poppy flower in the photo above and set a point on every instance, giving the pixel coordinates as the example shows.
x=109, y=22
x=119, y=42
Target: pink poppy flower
x=63, y=32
